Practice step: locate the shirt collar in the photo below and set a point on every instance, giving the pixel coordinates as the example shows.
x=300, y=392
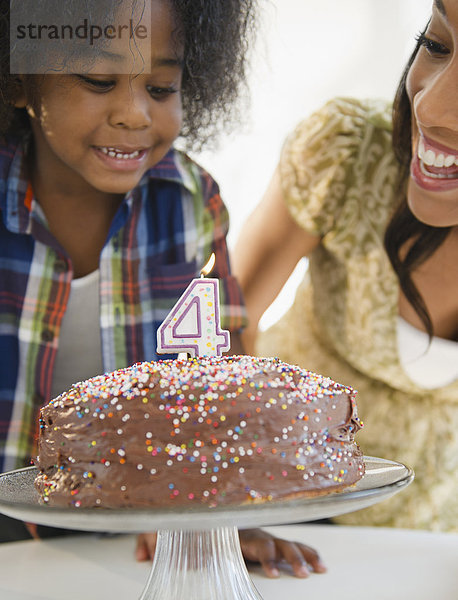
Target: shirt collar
x=15, y=191
x=175, y=167
x=13, y=186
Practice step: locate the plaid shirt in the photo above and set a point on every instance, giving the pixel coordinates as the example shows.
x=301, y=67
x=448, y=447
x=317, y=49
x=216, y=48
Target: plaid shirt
x=161, y=236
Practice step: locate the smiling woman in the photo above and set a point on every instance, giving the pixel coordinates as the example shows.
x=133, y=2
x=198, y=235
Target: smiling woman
x=432, y=88
x=370, y=196
x=424, y=228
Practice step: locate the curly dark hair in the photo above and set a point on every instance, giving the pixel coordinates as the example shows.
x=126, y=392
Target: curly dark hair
x=404, y=226
x=217, y=36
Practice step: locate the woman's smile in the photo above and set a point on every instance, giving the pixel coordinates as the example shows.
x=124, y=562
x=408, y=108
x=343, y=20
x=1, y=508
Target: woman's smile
x=437, y=160
x=434, y=166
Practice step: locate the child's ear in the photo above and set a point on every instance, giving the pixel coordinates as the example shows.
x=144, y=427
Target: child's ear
x=20, y=96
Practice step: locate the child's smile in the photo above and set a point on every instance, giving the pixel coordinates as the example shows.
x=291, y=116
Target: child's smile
x=122, y=158
x=103, y=131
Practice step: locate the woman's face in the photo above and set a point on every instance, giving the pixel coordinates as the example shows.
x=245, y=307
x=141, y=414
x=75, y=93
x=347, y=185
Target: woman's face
x=432, y=87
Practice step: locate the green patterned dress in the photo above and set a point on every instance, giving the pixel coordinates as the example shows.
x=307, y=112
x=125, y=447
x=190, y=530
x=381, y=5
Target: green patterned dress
x=338, y=178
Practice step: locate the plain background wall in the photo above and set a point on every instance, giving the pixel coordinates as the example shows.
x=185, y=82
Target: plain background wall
x=309, y=51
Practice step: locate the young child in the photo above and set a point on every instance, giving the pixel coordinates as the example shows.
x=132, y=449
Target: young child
x=103, y=223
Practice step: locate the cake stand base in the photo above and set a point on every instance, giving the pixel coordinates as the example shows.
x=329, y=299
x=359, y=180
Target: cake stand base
x=199, y=565
x=198, y=555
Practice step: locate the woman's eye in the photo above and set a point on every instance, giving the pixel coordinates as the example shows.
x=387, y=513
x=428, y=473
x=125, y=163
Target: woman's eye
x=99, y=84
x=161, y=93
x=432, y=47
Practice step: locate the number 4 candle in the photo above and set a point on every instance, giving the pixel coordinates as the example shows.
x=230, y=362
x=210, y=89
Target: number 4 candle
x=193, y=324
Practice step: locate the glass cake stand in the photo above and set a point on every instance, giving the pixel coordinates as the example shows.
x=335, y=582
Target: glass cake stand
x=198, y=555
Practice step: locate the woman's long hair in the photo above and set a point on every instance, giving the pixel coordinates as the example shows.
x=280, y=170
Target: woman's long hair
x=404, y=226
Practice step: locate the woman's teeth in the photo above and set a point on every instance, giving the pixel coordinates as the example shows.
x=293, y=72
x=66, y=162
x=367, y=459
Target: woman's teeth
x=114, y=153
x=431, y=158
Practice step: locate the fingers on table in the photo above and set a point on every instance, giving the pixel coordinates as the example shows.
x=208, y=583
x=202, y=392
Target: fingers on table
x=146, y=546
x=301, y=557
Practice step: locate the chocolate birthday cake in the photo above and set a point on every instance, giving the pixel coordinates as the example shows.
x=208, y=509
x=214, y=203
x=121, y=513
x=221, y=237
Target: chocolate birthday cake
x=209, y=430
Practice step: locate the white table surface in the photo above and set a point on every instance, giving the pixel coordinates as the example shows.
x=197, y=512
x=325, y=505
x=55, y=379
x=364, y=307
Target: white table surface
x=363, y=564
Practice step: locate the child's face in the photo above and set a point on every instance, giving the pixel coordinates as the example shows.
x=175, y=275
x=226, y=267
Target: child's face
x=105, y=131
x=432, y=86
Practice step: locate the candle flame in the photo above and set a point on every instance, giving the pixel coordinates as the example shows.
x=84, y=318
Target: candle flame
x=209, y=266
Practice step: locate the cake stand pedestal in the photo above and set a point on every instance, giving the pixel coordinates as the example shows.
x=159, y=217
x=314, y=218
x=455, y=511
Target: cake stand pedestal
x=199, y=565
x=198, y=555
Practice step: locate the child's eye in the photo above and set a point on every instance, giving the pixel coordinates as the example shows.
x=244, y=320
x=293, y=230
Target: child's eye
x=161, y=93
x=432, y=47
x=99, y=84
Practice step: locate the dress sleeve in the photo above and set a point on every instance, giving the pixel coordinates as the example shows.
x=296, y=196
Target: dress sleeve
x=317, y=161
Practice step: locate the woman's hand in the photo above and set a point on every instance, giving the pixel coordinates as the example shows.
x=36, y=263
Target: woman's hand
x=257, y=546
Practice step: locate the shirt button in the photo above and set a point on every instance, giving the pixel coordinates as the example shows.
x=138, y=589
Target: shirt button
x=47, y=335
x=60, y=265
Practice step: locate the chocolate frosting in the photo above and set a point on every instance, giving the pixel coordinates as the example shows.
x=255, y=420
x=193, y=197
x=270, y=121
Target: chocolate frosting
x=211, y=430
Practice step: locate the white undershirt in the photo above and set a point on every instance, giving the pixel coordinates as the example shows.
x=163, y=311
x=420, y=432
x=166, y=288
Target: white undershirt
x=79, y=355
x=429, y=365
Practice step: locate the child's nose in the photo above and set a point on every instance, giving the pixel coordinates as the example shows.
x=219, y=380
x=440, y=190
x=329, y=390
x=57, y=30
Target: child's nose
x=130, y=109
